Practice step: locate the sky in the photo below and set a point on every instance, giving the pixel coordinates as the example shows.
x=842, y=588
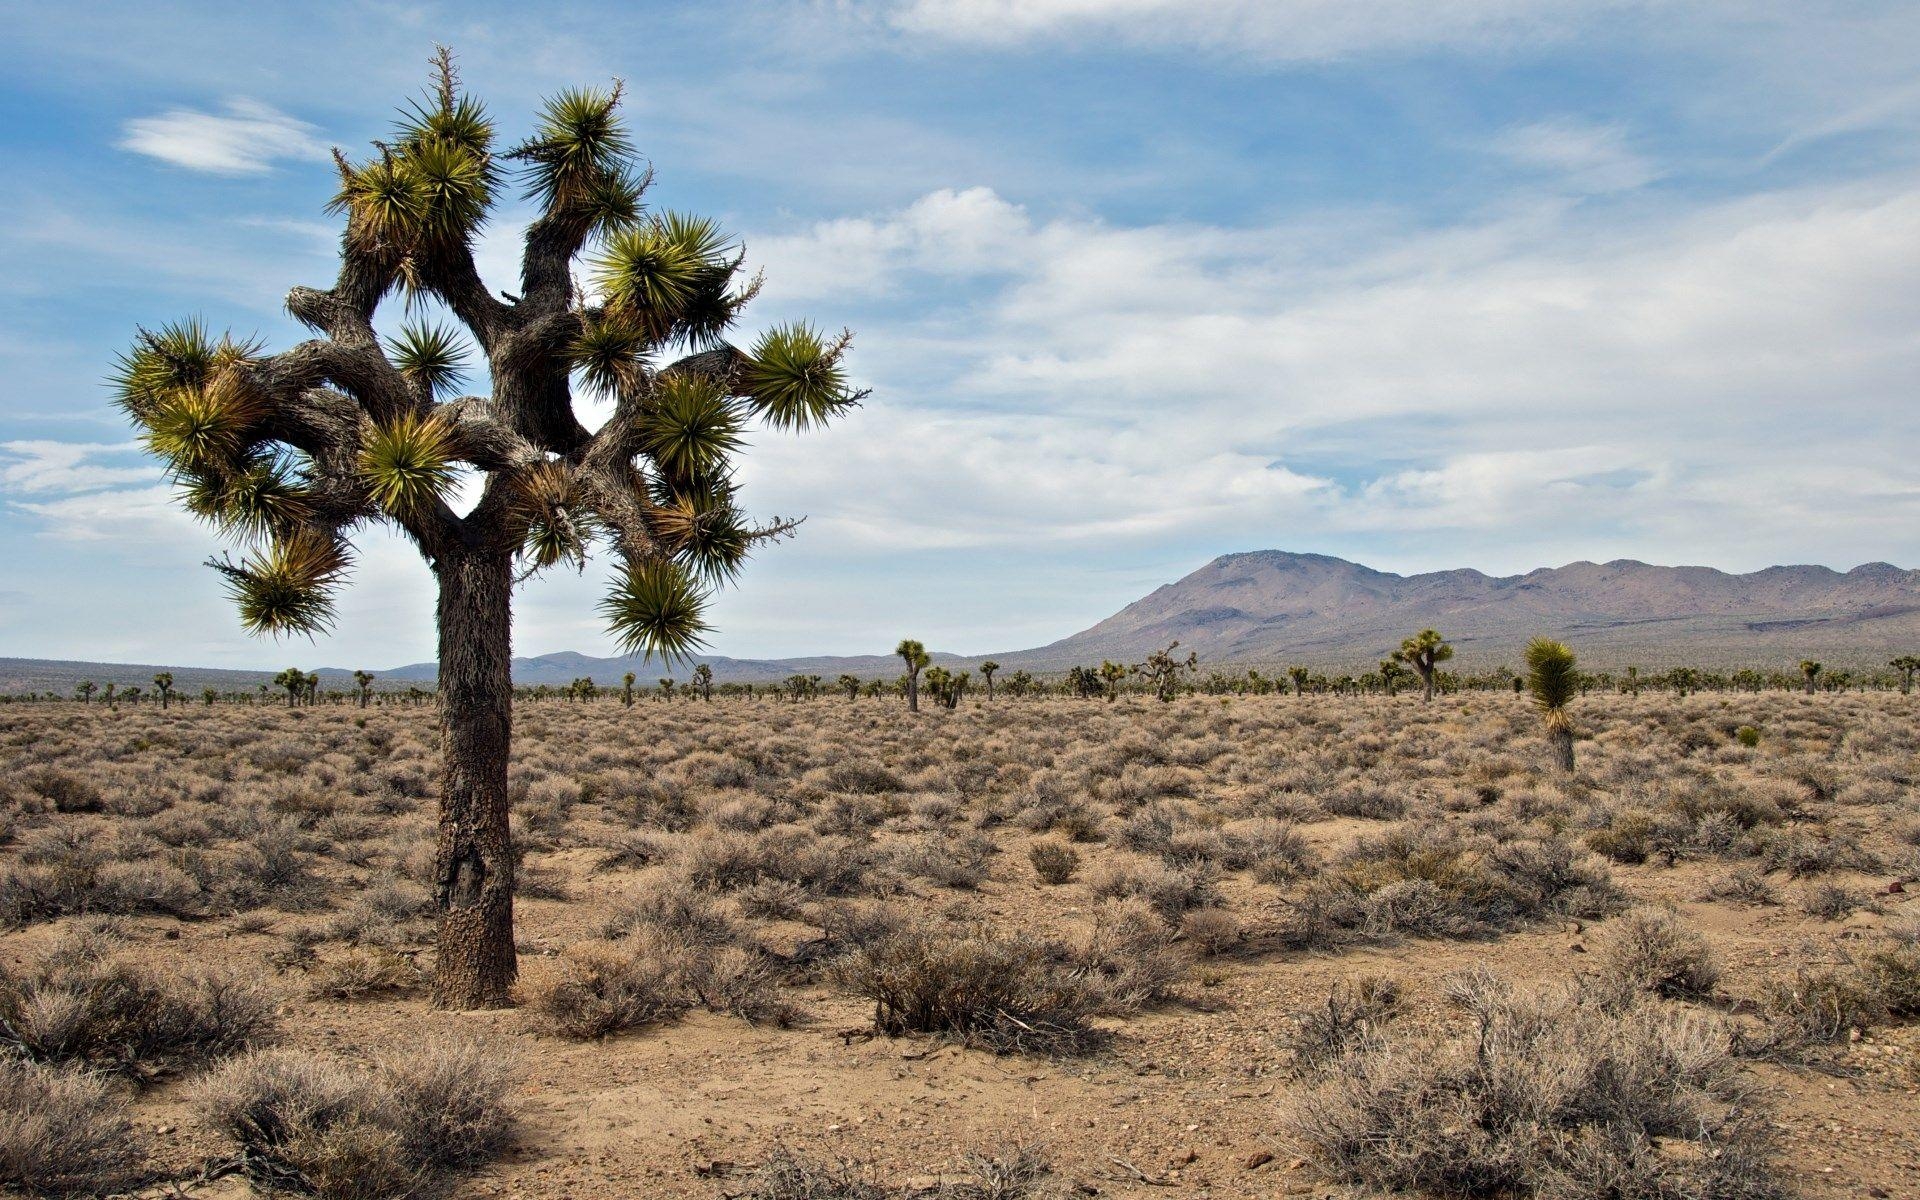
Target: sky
x=1134, y=283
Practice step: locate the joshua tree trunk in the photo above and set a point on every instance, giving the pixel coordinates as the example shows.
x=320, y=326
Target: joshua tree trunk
x=913, y=691
x=473, y=863
x=1560, y=740
x=1426, y=685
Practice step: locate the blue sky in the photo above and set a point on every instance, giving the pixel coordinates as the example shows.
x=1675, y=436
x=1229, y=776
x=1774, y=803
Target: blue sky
x=1491, y=283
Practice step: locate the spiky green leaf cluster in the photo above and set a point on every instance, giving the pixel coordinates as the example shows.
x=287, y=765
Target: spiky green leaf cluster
x=690, y=428
x=578, y=148
x=408, y=463
x=795, y=378
x=704, y=529
x=1553, y=678
x=656, y=609
x=287, y=588
x=609, y=354
x=668, y=278
x=253, y=500
x=430, y=189
x=432, y=357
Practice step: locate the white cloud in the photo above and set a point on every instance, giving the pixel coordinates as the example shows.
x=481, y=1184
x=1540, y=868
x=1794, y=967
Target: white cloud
x=1588, y=158
x=39, y=467
x=1540, y=379
x=1292, y=30
x=246, y=140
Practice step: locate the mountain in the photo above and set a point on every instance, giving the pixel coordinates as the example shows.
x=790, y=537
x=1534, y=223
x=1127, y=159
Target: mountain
x=1273, y=607
x=566, y=666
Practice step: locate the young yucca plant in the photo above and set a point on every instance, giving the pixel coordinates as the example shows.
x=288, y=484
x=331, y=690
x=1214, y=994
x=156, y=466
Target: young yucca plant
x=288, y=454
x=1553, y=680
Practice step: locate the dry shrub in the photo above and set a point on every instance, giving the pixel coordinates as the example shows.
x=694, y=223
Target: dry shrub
x=606, y=989
x=1010, y=1174
x=1127, y=958
x=61, y=1132
x=1211, y=930
x=654, y=974
x=1550, y=1096
x=1171, y=891
x=365, y=972
x=79, y=1005
x=343, y=1132
x=1349, y=1020
x=1833, y=902
x=1651, y=950
x=1054, y=862
x=1815, y=1009
x=1003, y=992
x=1435, y=880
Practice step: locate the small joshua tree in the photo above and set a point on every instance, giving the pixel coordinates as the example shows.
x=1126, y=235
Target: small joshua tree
x=209, y=695
x=290, y=453
x=1424, y=651
x=363, y=684
x=1391, y=673
x=295, y=681
x=1163, y=671
x=1553, y=680
x=626, y=689
x=915, y=656
x=1019, y=684
x=850, y=686
x=1810, y=671
x=1906, y=664
x=85, y=690
x=703, y=681
x=946, y=687
x=987, y=669
x=666, y=687
x=163, y=682
x=1299, y=676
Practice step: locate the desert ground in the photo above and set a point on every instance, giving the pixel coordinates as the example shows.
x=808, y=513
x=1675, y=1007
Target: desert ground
x=1217, y=947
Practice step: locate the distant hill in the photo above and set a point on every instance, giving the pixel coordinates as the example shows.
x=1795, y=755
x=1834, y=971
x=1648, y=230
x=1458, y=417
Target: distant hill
x=1272, y=608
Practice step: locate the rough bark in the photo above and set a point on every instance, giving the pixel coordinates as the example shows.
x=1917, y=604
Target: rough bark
x=1560, y=740
x=473, y=863
x=913, y=691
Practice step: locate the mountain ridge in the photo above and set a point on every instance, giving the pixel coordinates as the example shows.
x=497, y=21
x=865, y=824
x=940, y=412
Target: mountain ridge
x=1271, y=608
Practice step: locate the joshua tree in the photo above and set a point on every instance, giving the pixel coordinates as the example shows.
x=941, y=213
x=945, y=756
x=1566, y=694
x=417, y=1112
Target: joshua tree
x=1906, y=664
x=209, y=695
x=1111, y=675
x=1633, y=681
x=626, y=689
x=1810, y=671
x=703, y=681
x=1554, y=681
x=112, y=690
x=1085, y=682
x=946, y=687
x=915, y=656
x=1019, y=684
x=163, y=682
x=291, y=452
x=666, y=688
x=850, y=686
x=987, y=669
x=1299, y=677
x=1163, y=671
x=294, y=680
x=1391, y=672
x=312, y=687
x=85, y=690
x=363, y=683
x=1423, y=652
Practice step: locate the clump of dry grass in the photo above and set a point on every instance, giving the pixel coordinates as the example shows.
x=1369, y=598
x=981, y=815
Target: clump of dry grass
x=342, y=1132
x=1054, y=862
x=1546, y=1096
x=80, y=1005
x=1650, y=950
x=62, y=1133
